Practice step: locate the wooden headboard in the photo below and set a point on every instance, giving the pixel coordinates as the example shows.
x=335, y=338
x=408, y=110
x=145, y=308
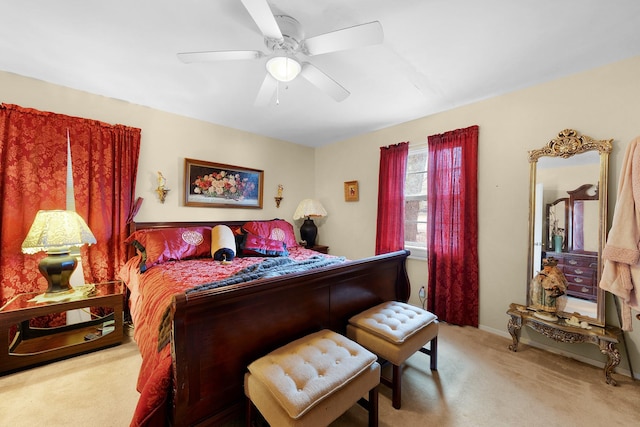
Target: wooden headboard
x=135, y=226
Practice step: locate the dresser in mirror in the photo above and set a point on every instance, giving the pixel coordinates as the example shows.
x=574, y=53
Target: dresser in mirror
x=572, y=225
x=568, y=219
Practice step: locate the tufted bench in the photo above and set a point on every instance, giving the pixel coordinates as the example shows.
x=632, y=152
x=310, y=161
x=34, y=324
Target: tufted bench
x=312, y=381
x=395, y=331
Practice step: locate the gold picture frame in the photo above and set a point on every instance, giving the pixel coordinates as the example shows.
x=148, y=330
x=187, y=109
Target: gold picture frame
x=217, y=185
x=351, y=193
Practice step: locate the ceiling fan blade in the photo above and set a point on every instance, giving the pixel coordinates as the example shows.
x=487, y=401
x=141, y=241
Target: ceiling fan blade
x=263, y=17
x=324, y=82
x=267, y=89
x=219, y=55
x=347, y=38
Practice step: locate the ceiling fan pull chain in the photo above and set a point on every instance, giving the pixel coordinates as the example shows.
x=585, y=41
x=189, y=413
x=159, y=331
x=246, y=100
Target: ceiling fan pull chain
x=278, y=93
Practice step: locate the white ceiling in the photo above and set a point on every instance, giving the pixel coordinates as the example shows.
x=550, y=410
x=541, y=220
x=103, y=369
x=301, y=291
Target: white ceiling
x=436, y=55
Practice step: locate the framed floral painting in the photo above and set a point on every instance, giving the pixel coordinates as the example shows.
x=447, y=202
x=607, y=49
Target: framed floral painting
x=218, y=185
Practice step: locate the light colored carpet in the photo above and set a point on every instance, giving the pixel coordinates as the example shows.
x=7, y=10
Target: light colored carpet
x=479, y=382
x=90, y=390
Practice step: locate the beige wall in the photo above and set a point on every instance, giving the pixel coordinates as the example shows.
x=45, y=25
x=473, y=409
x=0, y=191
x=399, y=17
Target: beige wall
x=602, y=103
x=168, y=138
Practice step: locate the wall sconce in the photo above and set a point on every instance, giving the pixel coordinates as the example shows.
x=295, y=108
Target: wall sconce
x=279, y=196
x=162, y=190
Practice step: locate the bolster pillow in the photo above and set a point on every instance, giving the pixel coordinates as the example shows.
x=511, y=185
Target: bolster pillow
x=223, y=243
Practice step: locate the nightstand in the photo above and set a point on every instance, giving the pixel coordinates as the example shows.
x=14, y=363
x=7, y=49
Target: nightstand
x=35, y=346
x=320, y=248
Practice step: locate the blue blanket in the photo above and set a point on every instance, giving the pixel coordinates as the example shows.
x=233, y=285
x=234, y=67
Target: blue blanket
x=271, y=267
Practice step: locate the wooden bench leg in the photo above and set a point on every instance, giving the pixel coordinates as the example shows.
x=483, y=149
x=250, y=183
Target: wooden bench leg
x=249, y=412
x=396, y=386
x=373, y=407
x=432, y=352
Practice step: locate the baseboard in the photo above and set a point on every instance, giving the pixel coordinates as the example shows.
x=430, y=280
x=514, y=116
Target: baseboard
x=579, y=358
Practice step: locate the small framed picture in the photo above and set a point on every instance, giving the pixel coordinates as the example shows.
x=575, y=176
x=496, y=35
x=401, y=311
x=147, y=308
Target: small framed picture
x=351, y=191
x=218, y=185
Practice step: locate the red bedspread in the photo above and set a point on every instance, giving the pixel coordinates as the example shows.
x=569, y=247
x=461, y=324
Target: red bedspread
x=151, y=294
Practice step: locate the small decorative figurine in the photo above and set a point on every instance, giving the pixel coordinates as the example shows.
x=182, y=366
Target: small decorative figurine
x=546, y=287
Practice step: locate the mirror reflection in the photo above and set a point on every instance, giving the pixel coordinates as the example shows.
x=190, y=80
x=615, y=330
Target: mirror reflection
x=568, y=219
x=557, y=220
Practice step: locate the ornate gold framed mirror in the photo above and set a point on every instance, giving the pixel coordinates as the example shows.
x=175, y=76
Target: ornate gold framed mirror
x=568, y=219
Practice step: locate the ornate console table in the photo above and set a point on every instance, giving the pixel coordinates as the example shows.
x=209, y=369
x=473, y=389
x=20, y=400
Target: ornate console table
x=605, y=338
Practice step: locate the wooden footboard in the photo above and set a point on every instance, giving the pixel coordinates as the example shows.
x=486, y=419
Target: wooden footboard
x=217, y=333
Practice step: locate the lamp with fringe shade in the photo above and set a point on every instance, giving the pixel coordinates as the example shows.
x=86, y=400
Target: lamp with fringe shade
x=56, y=232
x=307, y=209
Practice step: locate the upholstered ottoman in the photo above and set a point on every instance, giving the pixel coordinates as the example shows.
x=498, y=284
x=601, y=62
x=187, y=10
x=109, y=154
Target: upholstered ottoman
x=312, y=381
x=395, y=331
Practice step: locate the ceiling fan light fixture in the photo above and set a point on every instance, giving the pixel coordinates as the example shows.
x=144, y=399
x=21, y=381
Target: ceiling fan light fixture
x=283, y=68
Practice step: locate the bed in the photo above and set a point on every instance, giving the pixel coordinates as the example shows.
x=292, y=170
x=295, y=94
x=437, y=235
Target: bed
x=196, y=336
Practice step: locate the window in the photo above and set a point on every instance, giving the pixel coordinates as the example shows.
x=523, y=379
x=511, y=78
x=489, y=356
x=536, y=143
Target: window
x=448, y=193
x=415, y=199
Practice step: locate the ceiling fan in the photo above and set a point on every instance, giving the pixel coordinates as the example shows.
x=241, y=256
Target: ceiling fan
x=286, y=41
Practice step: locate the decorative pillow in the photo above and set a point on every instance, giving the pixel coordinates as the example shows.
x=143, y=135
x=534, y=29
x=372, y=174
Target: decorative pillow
x=223, y=243
x=236, y=229
x=276, y=229
x=250, y=244
x=165, y=244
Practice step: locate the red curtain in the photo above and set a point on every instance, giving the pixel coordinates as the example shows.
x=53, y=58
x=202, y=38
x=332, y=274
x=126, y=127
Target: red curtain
x=390, y=224
x=452, y=221
x=33, y=160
